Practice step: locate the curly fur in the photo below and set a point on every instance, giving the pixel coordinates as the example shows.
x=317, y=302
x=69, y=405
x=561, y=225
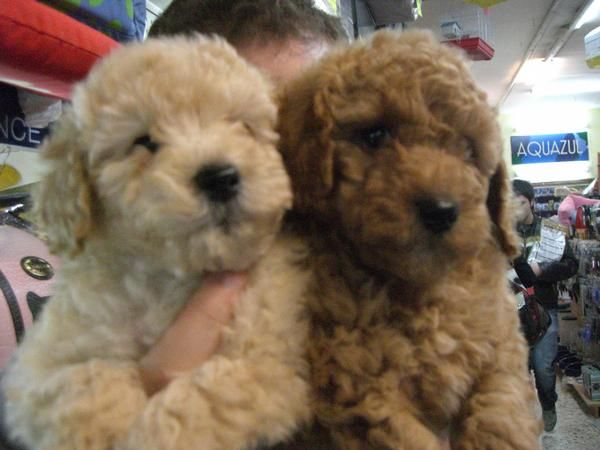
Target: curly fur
x=136, y=235
x=414, y=333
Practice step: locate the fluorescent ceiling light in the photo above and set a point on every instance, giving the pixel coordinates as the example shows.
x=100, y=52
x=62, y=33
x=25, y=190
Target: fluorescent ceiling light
x=591, y=13
x=564, y=88
x=325, y=5
x=539, y=70
x=550, y=118
x=554, y=172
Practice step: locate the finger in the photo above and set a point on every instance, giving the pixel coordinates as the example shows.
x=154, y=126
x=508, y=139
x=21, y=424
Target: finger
x=217, y=297
x=195, y=334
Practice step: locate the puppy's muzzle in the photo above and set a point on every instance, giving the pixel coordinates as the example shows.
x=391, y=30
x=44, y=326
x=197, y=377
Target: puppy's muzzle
x=220, y=183
x=437, y=216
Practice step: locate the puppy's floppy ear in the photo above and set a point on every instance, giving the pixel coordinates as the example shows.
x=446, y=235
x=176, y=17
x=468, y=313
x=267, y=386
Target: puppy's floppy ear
x=62, y=200
x=307, y=149
x=499, y=204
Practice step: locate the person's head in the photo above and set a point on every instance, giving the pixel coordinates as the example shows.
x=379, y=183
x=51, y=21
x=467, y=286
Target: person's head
x=278, y=36
x=524, y=195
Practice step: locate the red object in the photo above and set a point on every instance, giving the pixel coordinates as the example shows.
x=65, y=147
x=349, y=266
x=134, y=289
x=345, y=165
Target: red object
x=44, y=50
x=477, y=48
x=579, y=221
x=484, y=3
x=530, y=291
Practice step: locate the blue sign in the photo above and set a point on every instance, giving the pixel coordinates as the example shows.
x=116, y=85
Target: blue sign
x=13, y=129
x=545, y=148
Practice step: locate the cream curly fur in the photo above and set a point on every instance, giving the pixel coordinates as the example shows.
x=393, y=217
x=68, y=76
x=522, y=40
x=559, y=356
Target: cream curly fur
x=136, y=235
x=414, y=333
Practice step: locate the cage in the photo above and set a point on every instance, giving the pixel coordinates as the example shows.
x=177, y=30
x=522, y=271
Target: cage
x=484, y=3
x=468, y=27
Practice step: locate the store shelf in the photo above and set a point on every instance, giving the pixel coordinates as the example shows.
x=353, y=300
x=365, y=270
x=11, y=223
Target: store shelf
x=593, y=406
x=548, y=196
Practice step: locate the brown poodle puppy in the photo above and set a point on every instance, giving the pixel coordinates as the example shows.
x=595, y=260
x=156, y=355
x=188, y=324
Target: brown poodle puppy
x=401, y=191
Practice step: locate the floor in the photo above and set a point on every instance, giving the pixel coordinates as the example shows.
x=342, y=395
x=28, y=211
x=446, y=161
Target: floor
x=575, y=430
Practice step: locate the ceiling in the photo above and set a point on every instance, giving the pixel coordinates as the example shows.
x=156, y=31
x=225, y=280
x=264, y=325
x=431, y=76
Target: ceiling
x=522, y=34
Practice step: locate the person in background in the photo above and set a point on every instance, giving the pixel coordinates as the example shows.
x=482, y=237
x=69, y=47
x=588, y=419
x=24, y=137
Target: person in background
x=280, y=38
x=543, y=277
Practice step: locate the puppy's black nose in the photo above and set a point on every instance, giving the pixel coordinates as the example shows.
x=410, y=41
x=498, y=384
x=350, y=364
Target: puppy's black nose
x=219, y=182
x=437, y=216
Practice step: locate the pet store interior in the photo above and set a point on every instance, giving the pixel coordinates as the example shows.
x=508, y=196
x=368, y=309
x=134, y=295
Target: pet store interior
x=537, y=60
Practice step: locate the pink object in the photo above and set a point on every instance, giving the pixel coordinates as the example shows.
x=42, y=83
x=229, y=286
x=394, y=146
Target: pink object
x=15, y=284
x=567, y=209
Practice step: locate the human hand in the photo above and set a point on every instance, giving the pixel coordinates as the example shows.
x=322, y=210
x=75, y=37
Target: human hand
x=195, y=334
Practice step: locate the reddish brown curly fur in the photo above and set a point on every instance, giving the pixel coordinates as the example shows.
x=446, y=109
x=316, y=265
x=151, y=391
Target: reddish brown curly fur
x=415, y=335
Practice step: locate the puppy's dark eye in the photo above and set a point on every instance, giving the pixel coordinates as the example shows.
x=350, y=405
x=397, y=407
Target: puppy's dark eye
x=374, y=137
x=146, y=141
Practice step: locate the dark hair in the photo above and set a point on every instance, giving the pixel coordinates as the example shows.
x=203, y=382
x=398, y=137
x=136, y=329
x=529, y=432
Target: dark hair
x=248, y=21
x=524, y=188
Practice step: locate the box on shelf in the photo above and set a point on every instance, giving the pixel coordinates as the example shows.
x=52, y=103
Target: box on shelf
x=592, y=48
x=591, y=381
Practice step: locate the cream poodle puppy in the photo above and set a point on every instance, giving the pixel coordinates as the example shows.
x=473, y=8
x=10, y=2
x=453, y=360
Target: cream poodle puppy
x=164, y=168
